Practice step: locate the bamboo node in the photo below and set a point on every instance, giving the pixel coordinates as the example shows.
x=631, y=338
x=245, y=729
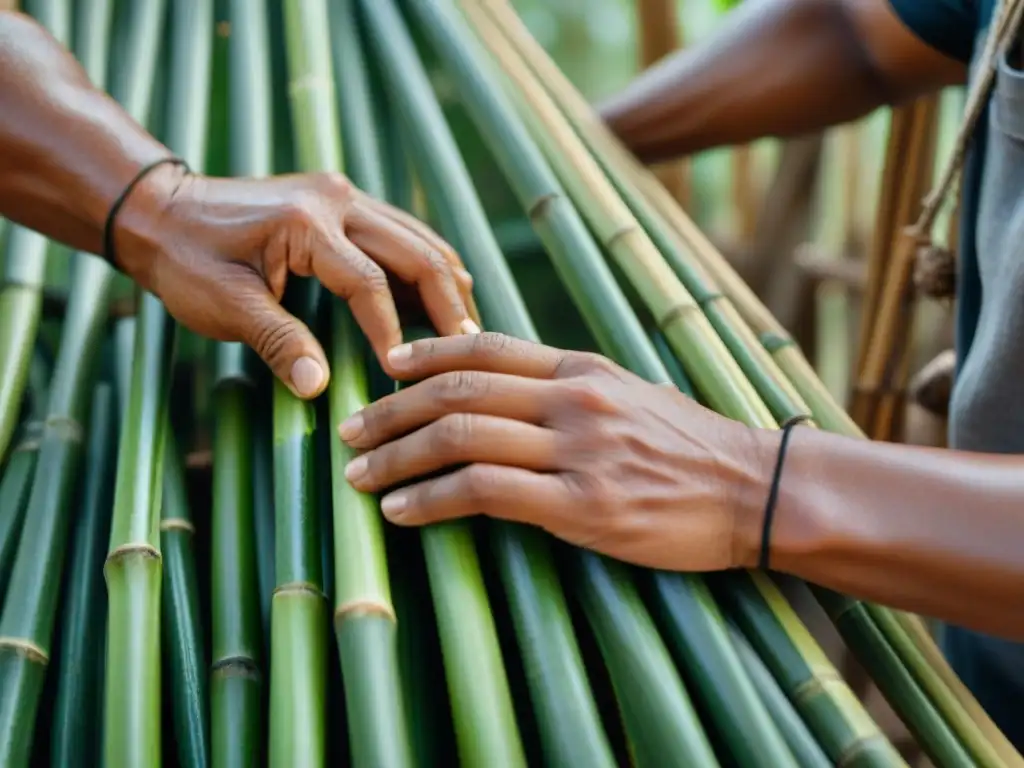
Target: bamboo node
x=676, y=312
x=65, y=427
x=855, y=750
x=237, y=666
x=25, y=648
x=177, y=524
x=541, y=204
x=364, y=608
x=815, y=685
x=774, y=342
x=125, y=551
x=298, y=587
x=935, y=271
x=620, y=233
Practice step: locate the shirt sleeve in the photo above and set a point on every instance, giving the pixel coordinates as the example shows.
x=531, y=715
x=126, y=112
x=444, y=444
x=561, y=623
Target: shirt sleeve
x=949, y=26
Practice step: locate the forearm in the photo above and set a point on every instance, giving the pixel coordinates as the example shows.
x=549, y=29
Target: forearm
x=67, y=150
x=778, y=68
x=935, y=532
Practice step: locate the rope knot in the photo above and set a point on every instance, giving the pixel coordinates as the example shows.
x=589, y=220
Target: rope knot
x=935, y=271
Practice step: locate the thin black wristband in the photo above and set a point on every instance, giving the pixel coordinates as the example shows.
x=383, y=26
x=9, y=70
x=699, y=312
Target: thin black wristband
x=773, y=491
x=115, y=208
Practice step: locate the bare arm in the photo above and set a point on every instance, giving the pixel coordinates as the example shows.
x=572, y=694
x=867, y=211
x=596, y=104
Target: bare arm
x=777, y=68
x=936, y=532
x=66, y=149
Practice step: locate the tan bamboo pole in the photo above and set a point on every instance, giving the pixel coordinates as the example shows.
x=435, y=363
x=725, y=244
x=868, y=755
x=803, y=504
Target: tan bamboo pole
x=893, y=313
x=658, y=24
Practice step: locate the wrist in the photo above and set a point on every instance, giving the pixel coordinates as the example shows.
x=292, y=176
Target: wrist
x=750, y=494
x=144, y=222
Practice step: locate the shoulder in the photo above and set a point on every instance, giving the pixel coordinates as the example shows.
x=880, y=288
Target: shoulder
x=949, y=26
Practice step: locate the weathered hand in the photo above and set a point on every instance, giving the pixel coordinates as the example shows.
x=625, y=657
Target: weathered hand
x=218, y=253
x=563, y=440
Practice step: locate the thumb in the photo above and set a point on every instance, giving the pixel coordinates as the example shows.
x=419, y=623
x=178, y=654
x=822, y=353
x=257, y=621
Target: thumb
x=286, y=345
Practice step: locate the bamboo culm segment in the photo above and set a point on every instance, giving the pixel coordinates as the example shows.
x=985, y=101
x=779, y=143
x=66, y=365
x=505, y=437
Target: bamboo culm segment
x=74, y=740
x=364, y=616
x=182, y=622
x=237, y=677
x=14, y=491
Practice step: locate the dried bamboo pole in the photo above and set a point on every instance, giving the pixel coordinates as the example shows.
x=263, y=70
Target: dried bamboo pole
x=658, y=23
x=891, y=316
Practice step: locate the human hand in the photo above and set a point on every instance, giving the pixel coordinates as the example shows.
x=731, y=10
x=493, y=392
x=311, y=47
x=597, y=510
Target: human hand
x=566, y=441
x=218, y=253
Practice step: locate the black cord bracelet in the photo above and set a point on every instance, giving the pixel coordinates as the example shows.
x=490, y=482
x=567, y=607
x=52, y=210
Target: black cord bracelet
x=115, y=208
x=773, y=491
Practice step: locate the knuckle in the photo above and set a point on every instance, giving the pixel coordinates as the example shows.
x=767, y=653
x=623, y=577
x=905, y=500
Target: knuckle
x=477, y=483
x=371, y=278
x=337, y=185
x=458, y=387
x=586, y=395
x=270, y=341
x=451, y=432
x=299, y=211
x=434, y=260
x=490, y=344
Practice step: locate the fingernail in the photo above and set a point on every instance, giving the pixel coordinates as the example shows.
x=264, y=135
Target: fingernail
x=394, y=503
x=351, y=428
x=464, y=276
x=400, y=354
x=468, y=326
x=356, y=468
x=307, y=376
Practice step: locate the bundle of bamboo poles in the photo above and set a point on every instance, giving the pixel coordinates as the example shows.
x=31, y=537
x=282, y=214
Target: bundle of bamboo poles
x=482, y=643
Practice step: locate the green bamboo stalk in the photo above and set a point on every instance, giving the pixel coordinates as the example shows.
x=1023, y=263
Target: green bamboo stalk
x=663, y=729
x=893, y=679
x=747, y=731
x=74, y=740
x=298, y=665
x=21, y=298
x=183, y=631
x=26, y=623
x=802, y=744
x=611, y=320
x=14, y=493
x=191, y=56
x=837, y=719
x=237, y=681
x=263, y=521
x=364, y=615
